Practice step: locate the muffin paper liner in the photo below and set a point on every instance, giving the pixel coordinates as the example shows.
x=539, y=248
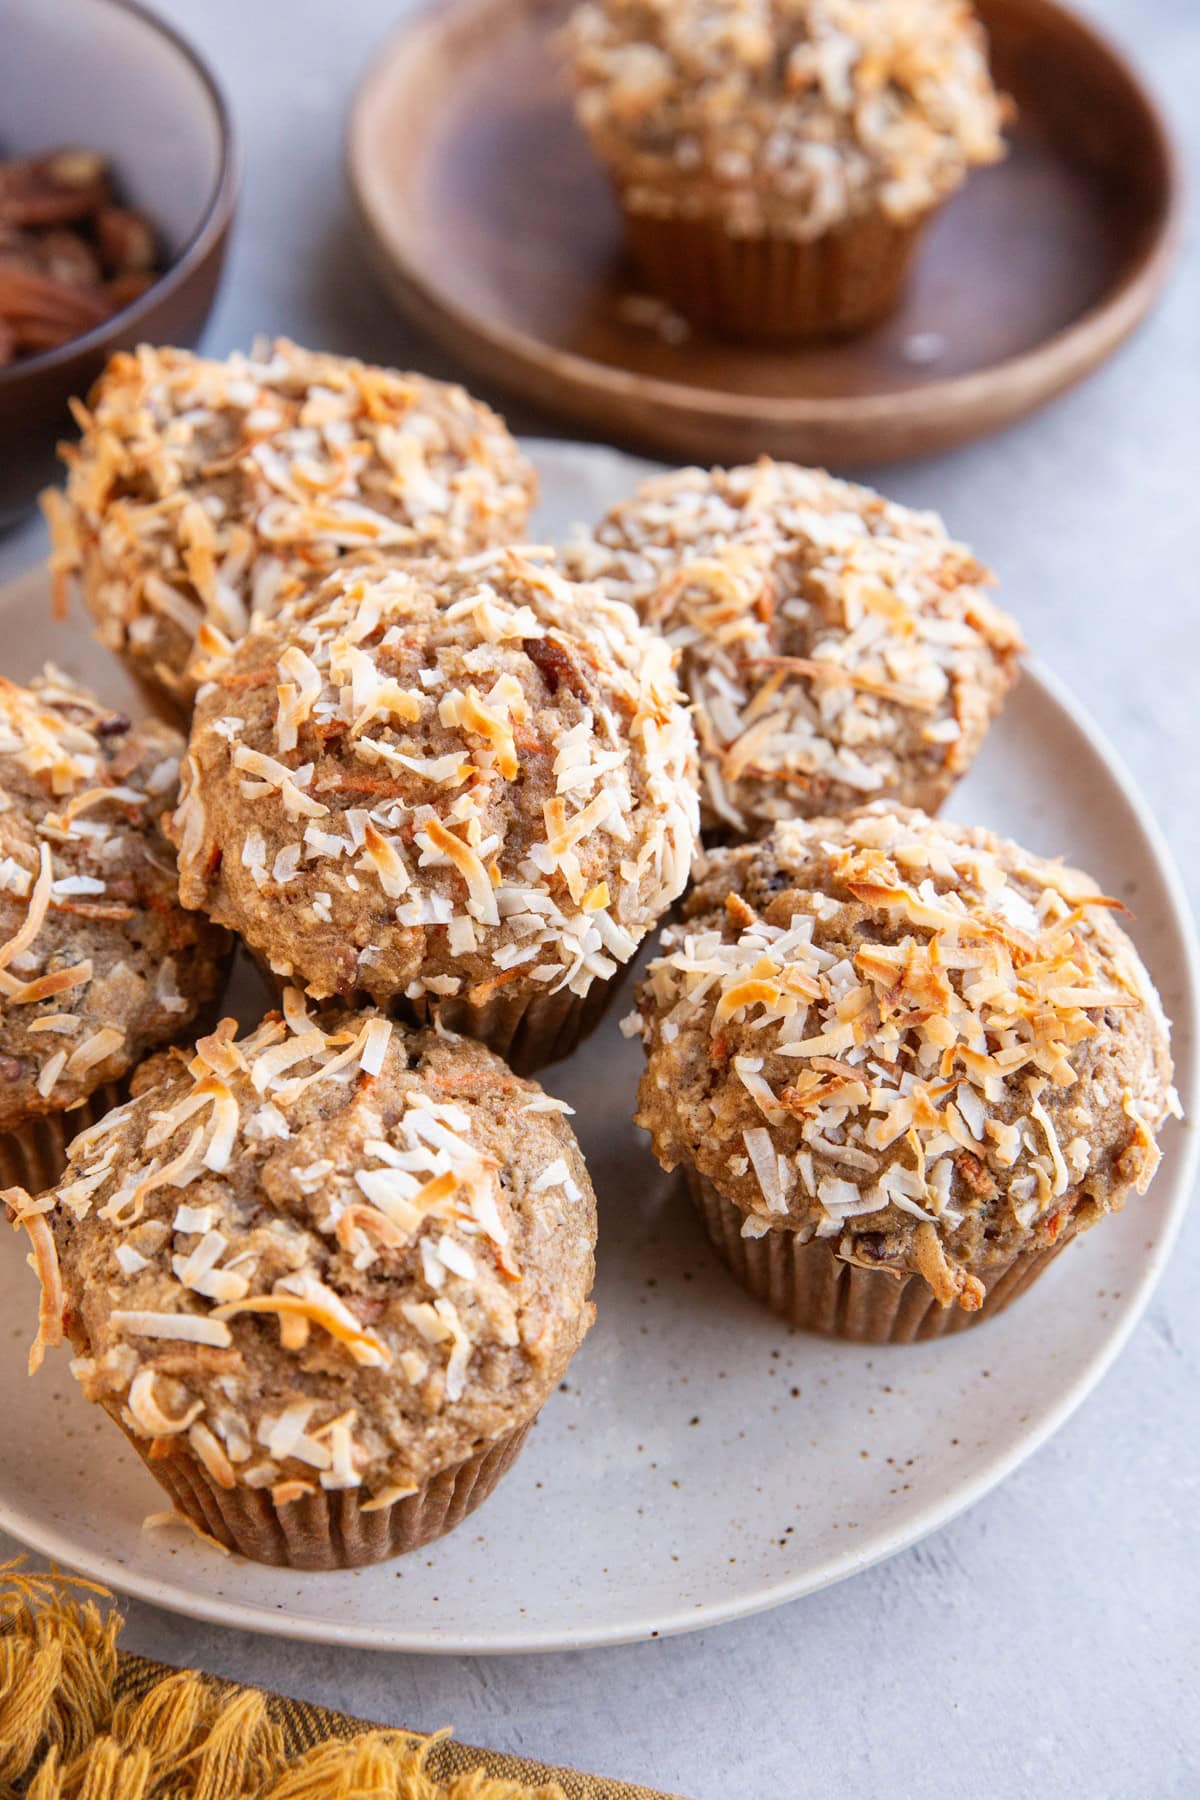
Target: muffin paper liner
x=326, y=1530
x=774, y=289
x=814, y=1289
x=34, y=1154
x=528, y=1031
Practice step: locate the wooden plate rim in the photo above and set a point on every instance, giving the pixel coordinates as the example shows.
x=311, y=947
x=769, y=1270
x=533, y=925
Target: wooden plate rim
x=515, y=357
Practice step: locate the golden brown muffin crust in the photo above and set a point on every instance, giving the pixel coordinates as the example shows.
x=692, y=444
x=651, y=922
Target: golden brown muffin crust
x=913, y=1039
x=202, y=492
x=785, y=116
x=839, y=648
x=98, y=960
x=331, y=1252
x=441, y=780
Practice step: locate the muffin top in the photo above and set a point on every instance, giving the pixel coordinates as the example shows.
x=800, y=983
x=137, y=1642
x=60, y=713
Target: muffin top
x=785, y=115
x=202, y=492
x=916, y=1040
x=98, y=960
x=838, y=647
x=333, y=1251
x=441, y=780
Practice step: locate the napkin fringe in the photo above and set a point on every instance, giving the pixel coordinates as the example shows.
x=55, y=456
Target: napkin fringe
x=68, y=1733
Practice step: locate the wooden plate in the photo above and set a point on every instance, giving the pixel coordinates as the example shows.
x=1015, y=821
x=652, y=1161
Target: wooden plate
x=495, y=229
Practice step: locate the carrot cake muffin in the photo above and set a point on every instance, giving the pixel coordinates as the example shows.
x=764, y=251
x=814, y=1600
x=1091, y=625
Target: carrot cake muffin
x=204, y=492
x=903, y=1063
x=460, y=789
x=98, y=960
x=776, y=160
x=838, y=648
x=324, y=1276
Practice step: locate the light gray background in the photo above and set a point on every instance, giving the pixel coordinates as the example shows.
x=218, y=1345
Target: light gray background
x=1046, y=1643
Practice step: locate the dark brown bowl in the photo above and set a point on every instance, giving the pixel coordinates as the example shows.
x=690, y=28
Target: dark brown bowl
x=105, y=75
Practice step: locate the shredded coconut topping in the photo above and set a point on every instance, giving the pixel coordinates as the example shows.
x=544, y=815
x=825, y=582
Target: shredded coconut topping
x=90, y=924
x=203, y=493
x=897, y=1020
x=785, y=116
x=463, y=776
x=837, y=647
x=248, y=1288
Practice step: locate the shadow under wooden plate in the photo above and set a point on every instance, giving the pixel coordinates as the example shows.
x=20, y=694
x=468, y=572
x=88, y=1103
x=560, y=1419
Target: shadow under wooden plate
x=495, y=229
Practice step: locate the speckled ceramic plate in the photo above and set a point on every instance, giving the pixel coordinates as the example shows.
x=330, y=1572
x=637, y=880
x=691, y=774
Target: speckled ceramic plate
x=701, y=1460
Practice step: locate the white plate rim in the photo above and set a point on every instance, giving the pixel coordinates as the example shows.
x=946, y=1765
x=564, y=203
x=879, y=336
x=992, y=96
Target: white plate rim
x=59, y=1546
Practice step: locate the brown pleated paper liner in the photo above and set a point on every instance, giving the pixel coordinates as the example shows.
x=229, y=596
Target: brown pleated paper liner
x=34, y=1155
x=327, y=1529
x=79, y=1717
x=811, y=1287
x=774, y=289
x=528, y=1031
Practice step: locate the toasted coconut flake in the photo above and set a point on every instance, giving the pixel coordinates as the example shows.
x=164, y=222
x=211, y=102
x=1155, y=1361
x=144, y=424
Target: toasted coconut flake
x=212, y=1455
x=45, y=987
x=305, y=1045
x=318, y=1306
x=87, y=801
x=296, y=696
x=224, y=1124
x=388, y=1496
x=287, y=1436
x=760, y=1090
x=272, y=773
x=35, y=916
x=380, y=855
x=151, y=1419
x=564, y=833
x=482, y=896
x=470, y=714
x=126, y=1206
x=376, y=1038
x=44, y=1257
x=762, y=1156
x=96, y=1048
x=50, y=1072
x=341, y=1473
x=187, y=1327
x=284, y=1493
x=157, y=1521
x=291, y=1090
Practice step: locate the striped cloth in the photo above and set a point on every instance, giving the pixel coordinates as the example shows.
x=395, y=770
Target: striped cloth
x=305, y=1725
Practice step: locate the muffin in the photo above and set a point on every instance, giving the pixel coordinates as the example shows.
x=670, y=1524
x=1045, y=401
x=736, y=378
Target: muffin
x=324, y=1276
x=202, y=493
x=465, y=790
x=903, y=1064
x=98, y=961
x=837, y=648
x=777, y=160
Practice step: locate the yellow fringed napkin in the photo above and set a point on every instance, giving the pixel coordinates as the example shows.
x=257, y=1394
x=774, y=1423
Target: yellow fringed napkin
x=82, y=1720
